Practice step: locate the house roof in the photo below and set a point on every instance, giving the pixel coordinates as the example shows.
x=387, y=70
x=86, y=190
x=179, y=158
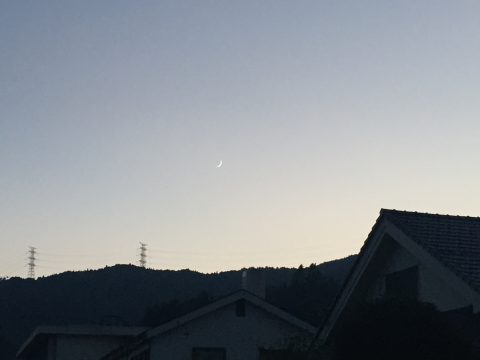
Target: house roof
x=232, y=298
x=41, y=333
x=453, y=240
x=218, y=304
x=450, y=244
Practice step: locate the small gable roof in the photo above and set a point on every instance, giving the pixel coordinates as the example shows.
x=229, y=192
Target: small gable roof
x=207, y=309
x=232, y=298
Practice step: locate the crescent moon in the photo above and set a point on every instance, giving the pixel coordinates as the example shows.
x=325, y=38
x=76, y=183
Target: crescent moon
x=220, y=163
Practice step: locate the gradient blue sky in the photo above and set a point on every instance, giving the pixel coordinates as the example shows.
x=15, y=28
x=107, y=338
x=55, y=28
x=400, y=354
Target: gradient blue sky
x=114, y=114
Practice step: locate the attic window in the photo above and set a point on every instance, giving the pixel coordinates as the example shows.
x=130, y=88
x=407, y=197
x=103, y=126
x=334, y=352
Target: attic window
x=240, y=308
x=402, y=284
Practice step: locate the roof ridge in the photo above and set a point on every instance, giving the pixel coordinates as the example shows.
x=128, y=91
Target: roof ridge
x=395, y=211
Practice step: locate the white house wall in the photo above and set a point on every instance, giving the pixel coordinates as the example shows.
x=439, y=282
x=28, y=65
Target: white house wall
x=435, y=290
x=432, y=288
x=84, y=347
x=240, y=336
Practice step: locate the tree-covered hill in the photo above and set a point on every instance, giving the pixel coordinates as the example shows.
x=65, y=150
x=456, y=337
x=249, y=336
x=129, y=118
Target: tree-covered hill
x=125, y=294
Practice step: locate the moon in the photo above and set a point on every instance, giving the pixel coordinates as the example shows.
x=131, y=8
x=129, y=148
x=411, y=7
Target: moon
x=220, y=163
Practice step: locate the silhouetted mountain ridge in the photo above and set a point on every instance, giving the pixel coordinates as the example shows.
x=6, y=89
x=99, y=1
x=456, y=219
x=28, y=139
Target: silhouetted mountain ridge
x=124, y=294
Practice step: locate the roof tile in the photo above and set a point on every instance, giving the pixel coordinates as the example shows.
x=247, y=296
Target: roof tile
x=453, y=240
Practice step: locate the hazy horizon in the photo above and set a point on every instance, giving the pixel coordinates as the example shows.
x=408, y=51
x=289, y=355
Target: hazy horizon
x=102, y=267
x=115, y=115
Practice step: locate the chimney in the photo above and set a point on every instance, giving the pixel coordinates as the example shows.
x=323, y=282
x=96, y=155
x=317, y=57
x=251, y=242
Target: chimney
x=253, y=280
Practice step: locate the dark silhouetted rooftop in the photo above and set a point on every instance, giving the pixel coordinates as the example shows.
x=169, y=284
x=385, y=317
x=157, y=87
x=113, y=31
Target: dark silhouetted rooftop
x=453, y=240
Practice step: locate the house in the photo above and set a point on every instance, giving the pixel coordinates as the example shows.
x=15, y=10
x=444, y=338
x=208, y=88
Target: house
x=409, y=255
x=240, y=326
x=75, y=342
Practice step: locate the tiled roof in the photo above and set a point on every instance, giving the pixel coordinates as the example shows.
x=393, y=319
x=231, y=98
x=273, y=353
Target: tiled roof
x=453, y=240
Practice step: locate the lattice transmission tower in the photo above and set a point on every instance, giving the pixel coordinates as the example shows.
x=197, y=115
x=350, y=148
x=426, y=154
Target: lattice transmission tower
x=143, y=255
x=32, y=252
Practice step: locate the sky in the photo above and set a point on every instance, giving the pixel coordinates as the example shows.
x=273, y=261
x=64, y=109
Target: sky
x=115, y=114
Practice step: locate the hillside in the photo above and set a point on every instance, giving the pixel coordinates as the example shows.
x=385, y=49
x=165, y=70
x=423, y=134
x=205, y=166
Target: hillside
x=124, y=294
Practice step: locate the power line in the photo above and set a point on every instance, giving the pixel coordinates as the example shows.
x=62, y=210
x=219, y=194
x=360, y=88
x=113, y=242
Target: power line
x=75, y=254
x=143, y=255
x=32, y=251
x=39, y=261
